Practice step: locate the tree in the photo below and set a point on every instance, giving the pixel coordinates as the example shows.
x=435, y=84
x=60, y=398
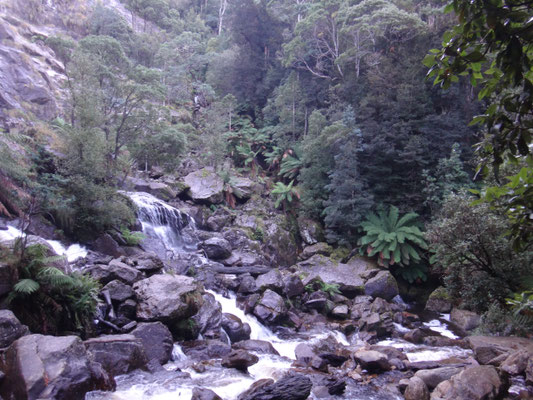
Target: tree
x=492, y=44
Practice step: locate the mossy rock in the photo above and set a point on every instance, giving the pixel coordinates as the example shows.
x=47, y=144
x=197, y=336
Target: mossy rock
x=439, y=301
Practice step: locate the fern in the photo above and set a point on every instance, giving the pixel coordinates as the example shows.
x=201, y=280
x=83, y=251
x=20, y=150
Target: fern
x=26, y=287
x=395, y=240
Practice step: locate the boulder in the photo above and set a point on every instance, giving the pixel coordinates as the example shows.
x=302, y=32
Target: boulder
x=118, y=354
x=10, y=328
x=107, y=245
x=156, y=340
x=245, y=187
x=271, y=280
x=158, y=189
x=115, y=270
x=209, y=317
x=487, y=348
x=340, y=312
x=239, y=359
x=147, y=262
x=257, y=346
x=235, y=328
x=270, y=308
x=310, y=231
x=205, y=186
x=166, y=298
x=516, y=362
x=204, y=394
x=220, y=219
x=416, y=389
x=216, y=248
x=466, y=320
x=118, y=291
x=247, y=284
x=475, y=383
x=279, y=238
x=382, y=285
x=439, y=301
x=318, y=248
x=206, y=349
x=432, y=377
x=372, y=360
x=304, y=352
x=49, y=367
x=290, y=387
x=293, y=286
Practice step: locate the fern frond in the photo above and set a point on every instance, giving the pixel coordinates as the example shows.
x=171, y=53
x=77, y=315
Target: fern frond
x=26, y=286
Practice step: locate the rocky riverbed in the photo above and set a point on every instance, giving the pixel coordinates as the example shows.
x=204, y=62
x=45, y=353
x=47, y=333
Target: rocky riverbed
x=236, y=304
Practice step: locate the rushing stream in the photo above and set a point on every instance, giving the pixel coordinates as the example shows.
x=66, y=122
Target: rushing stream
x=170, y=232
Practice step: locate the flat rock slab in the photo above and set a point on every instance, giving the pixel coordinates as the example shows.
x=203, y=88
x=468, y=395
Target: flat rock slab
x=205, y=186
x=487, y=348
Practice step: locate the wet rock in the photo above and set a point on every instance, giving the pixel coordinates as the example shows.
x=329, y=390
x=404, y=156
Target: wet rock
x=49, y=367
x=209, y=317
x=158, y=189
x=476, y=383
x=156, y=340
x=115, y=270
x=432, y=377
x=372, y=360
x=318, y=248
x=118, y=354
x=247, y=285
x=239, y=359
x=333, y=359
x=205, y=186
x=118, y=291
x=340, y=312
x=216, y=248
x=310, y=231
x=257, y=346
x=204, y=394
x=487, y=348
x=166, y=298
x=107, y=245
x=270, y=308
x=290, y=387
x=466, y=320
x=10, y=328
x=304, y=353
x=147, y=262
x=416, y=390
x=271, y=280
x=439, y=301
x=235, y=328
x=292, y=286
x=416, y=336
x=382, y=285
x=206, y=349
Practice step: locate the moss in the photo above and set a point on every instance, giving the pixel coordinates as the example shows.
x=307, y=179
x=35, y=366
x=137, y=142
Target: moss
x=440, y=294
x=340, y=253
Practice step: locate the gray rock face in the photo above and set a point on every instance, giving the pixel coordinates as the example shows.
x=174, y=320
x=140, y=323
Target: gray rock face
x=49, y=367
x=466, y=320
x=372, y=360
x=118, y=354
x=235, y=328
x=209, y=317
x=516, y=362
x=107, y=245
x=118, y=291
x=271, y=280
x=116, y=270
x=290, y=387
x=340, y=312
x=216, y=248
x=205, y=186
x=416, y=390
x=239, y=359
x=475, y=383
x=382, y=285
x=270, y=308
x=164, y=298
x=310, y=231
x=245, y=186
x=292, y=286
x=10, y=328
x=158, y=189
x=439, y=301
x=147, y=262
x=432, y=377
x=156, y=340
x=487, y=348
x=318, y=248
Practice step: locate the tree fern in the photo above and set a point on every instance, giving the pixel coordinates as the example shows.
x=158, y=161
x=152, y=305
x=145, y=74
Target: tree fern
x=395, y=240
x=26, y=287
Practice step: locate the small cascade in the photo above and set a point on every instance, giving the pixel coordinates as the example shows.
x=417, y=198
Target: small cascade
x=169, y=232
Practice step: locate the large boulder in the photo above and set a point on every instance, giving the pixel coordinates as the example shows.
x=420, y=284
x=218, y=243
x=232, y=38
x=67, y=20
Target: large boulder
x=239, y=359
x=439, y=301
x=486, y=348
x=271, y=308
x=107, y=245
x=49, y=367
x=116, y=270
x=257, y=346
x=372, y=360
x=118, y=291
x=118, y=354
x=432, y=377
x=475, y=383
x=245, y=187
x=290, y=387
x=156, y=340
x=205, y=186
x=235, y=328
x=416, y=390
x=158, y=189
x=10, y=328
x=466, y=320
x=292, y=286
x=310, y=231
x=318, y=248
x=167, y=298
x=271, y=280
x=350, y=277
x=208, y=319
x=216, y=248
x=382, y=285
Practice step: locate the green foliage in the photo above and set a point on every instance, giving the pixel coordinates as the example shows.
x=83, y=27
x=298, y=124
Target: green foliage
x=132, y=238
x=284, y=194
x=497, y=320
x=47, y=299
x=521, y=303
x=396, y=241
x=414, y=272
x=476, y=261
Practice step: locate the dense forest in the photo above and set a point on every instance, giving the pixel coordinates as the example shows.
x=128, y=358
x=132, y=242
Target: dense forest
x=401, y=128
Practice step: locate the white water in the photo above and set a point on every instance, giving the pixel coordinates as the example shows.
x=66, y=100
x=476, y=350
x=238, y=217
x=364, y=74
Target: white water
x=72, y=252
x=440, y=327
